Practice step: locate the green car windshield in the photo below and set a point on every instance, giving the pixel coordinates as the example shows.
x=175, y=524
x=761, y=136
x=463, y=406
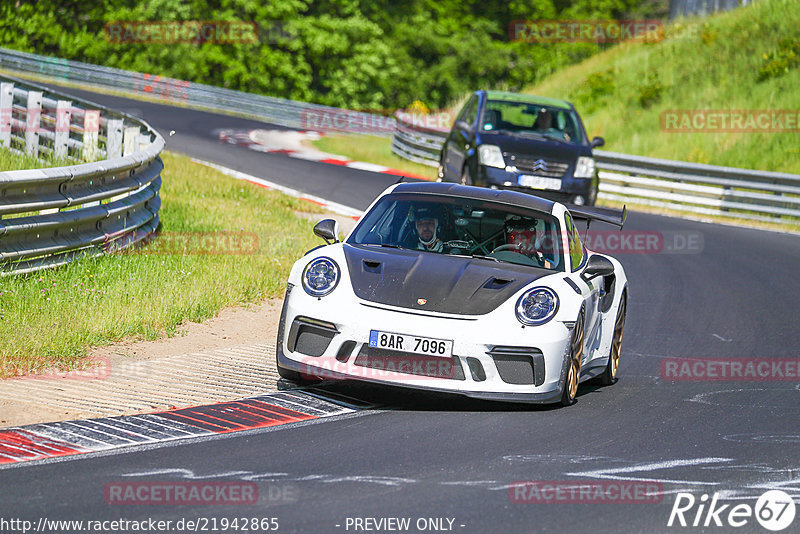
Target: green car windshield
x=456, y=226
x=534, y=120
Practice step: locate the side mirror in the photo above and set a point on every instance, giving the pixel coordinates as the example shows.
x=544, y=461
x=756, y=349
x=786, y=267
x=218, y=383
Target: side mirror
x=328, y=230
x=597, y=266
x=598, y=141
x=462, y=125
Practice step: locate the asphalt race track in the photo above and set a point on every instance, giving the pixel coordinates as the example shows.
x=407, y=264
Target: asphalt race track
x=409, y=455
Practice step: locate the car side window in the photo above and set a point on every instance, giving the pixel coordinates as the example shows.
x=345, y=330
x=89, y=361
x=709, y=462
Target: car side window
x=576, y=252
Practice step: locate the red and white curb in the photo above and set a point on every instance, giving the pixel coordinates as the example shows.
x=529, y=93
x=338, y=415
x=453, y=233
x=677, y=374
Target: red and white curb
x=51, y=440
x=334, y=207
x=290, y=142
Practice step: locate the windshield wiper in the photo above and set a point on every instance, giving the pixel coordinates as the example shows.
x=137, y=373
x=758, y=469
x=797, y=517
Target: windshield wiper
x=531, y=133
x=481, y=257
x=554, y=138
x=385, y=245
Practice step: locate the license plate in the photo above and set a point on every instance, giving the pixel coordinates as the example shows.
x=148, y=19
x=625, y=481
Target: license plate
x=539, y=182
x=408, y=343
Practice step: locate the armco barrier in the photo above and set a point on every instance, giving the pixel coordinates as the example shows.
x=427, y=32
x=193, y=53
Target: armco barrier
x=50, y=216
x=289, y=113
x=689, y=187
x=677, y=185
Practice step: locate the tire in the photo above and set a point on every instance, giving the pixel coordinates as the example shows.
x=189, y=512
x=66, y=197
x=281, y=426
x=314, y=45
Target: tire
x=609, y=376
x=572, y=376
x=466, y=177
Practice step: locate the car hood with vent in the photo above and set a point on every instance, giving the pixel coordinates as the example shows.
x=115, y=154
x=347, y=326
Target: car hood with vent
x=447, y=284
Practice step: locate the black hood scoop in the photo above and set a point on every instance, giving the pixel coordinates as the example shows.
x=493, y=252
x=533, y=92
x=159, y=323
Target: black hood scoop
x=434, y=282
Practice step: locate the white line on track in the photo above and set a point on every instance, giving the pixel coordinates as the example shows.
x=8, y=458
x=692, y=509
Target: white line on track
x=335, y=207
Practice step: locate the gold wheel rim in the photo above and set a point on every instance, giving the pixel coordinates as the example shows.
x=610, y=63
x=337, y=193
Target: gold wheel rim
x=616, y=343
x=576, y=350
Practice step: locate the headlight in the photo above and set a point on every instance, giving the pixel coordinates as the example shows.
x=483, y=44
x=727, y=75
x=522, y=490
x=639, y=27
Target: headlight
x=537, y=306
x=491, y=156
x=320, y=277
x=584, y=168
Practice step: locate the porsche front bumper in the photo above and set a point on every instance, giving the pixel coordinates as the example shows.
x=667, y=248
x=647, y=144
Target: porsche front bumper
x=494, y=356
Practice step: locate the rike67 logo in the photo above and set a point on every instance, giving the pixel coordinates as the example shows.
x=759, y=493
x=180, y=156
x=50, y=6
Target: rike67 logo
x=774, y=510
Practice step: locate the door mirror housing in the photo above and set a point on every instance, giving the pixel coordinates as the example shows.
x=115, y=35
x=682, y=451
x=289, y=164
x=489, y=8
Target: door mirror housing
x=463, y=125
x=328, y=230
x=598, y=141
x=597, y=266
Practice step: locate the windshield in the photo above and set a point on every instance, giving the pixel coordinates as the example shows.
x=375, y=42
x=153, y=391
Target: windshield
x=456, y=226
x=535, y=120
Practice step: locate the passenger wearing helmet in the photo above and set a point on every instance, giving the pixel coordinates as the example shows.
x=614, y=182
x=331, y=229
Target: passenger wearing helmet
x=521, y=235
x=426, y=222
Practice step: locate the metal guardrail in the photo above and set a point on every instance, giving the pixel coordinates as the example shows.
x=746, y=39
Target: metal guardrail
x=695, y=188
x=289, y=113
x=676, y=185
x=50, y=216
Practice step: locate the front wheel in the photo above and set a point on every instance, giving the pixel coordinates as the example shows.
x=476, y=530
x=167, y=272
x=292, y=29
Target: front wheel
x=609, y=376
x=573, y=373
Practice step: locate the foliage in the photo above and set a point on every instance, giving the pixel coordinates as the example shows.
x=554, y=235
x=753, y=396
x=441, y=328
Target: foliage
x=363, y=54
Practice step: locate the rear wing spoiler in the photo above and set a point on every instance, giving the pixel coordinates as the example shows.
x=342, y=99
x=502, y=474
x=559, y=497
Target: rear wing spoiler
x=606, y=215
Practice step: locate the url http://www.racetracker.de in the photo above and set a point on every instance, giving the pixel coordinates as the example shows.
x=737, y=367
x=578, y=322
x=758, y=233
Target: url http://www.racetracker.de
x=197, y=524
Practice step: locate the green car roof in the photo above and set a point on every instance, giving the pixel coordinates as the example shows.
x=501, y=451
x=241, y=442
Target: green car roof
x=528, y=99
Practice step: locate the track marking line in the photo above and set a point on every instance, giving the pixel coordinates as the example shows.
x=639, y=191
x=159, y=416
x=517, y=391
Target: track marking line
x=335, y=207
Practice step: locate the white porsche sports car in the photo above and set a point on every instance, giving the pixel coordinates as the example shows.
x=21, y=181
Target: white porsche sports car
x=459, y=289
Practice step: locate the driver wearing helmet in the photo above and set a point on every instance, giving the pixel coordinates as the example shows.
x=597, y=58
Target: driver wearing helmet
x=426, y=222
x=522, y=236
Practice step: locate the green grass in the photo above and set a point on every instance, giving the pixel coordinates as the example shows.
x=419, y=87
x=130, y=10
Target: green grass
x=744, y=59
x=372, y=149
x=10, y=161
x=51, y=318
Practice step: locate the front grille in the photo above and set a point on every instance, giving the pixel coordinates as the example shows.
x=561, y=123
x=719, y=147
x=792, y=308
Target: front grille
x=547, y=168
x=519, y=365
x=409, y=363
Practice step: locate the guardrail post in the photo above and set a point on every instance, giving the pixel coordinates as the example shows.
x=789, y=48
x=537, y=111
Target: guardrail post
x=33, y=120
x=129, y=140
x=142, y=142
x=114, y=138
x=6, y=106
x=63, y=119
x=91, y=127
